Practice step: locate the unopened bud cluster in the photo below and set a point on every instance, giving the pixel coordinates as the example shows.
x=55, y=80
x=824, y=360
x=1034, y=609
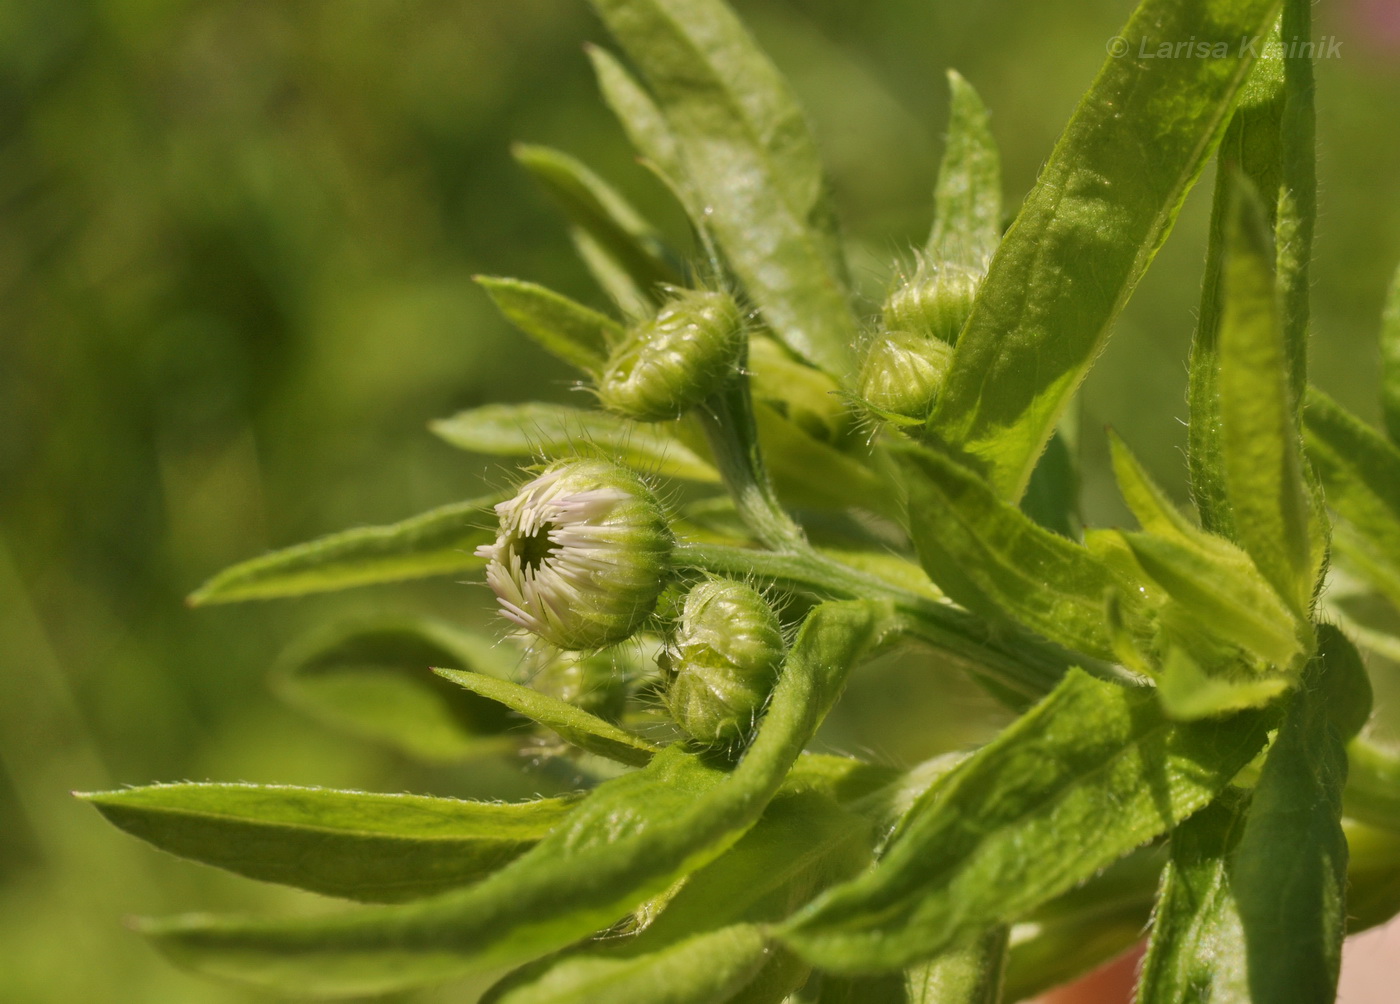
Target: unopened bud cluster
x=724, y=658
x=905, y=366
x=671, y=363
x=582, y=553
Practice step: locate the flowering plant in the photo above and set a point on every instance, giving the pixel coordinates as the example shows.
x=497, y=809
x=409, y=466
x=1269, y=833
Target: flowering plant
x=1191, y=714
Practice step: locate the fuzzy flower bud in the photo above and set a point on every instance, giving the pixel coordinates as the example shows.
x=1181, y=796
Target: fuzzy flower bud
x=725, y=660
x=668, y=365
x=902, y=373
x=582, y=554
x=590, y=681
x=934, y=303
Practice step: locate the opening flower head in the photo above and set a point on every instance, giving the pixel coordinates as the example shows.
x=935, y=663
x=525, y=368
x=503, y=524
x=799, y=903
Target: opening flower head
x=582, y=554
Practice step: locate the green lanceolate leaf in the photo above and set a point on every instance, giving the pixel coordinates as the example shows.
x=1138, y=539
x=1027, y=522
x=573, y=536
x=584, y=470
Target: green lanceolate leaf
x=1188, y=691
x=1361, y=472
x=1252, y=146
x=750, y=158
x=624, y=251
x=802, y=843
x=1090, y=773
x=1254, y=905
x=372, y=676
x=629, y=841
x=1149, y=505
x=1390, y=360
x=375, y=848
x=705, y=968
x=440, y=542
x=1197, y=952
x=996, y=561
x=967, y=199
x=1225, y=593
x=1087, y=232
x=536, y=429
x=579, y=336
x=573, y=724
x=645, y=125
x=1260, y=450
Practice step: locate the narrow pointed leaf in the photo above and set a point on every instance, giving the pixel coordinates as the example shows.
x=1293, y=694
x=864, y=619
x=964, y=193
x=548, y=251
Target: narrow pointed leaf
x=372, y=676
x=705, y=968
x=1089, y=774
x=573, y=724
x=994, y=560
x=1253, y=147
x=645, y=125
x=1361, y=472
x=748, y=154
x=1254, y=904
x=375, y=848
x=967, y=198
x=1226, y=594
x=1197, y=953
x=551, y=430
x=1104, y=204
x=440, y=542
x=636, y=261
x=802, y=844
x=629, y=841
x=1294, y=929
x=1188, y=692
x=1260, y=448
x=572, y=332
x=1390, y=360
x=1149, y=505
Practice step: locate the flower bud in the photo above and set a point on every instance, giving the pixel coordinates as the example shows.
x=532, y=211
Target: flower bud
x=934, y=303
x=725, y=657
x=582, y=554
x=671, y=363
x=902, y=374
x=592, y=682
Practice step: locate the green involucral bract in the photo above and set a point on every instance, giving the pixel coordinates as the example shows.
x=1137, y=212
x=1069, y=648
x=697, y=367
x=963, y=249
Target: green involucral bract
x=582, y=554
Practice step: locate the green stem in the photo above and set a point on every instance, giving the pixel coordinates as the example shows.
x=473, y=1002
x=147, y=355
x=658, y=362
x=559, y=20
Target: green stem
x=727, y=418
x=1021, y=667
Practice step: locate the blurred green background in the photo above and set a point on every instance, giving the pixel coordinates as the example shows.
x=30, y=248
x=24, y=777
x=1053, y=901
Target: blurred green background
x=236, y=243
